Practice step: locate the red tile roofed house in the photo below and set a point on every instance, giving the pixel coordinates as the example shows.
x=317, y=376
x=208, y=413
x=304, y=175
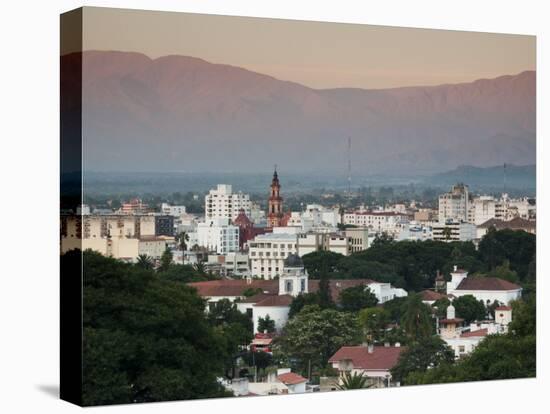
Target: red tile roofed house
x=233, y=289
x=478, y=333
x=295, y=382
x=466, y=342
x=274, y=297
x=486, y=289
x=429, y=296
x=373, y=361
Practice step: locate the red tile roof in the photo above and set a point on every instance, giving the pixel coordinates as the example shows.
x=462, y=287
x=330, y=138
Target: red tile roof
x=270, y=287
x=430, y=295
x=486, y=283
x=479, y=332
x=382, y=358
x=291, y=378
x=455, y=320
x=276, y=300
x=503, y=308
x=256, y=298
x=233, y=287
x=516, y=223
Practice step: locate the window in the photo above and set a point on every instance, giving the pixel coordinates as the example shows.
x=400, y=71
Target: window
x=461, y=349
x=302, y=285
x=288, y=286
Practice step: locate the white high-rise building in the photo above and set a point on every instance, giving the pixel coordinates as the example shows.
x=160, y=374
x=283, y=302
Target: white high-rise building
x=218, y=235
x=222, y=202
x=454, y=205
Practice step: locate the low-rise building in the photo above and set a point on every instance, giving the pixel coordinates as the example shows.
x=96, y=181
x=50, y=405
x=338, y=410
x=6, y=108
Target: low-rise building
x=154, y=246
x=274, y=297
x=486, y=289
x=374, y=362
x=450, y=231
x=267, y=253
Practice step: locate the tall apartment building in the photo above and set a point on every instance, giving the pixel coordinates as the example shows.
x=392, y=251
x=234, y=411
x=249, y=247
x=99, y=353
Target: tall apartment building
x=222, y=202
x=218, y=235
x=267, y=253
x=454, y=205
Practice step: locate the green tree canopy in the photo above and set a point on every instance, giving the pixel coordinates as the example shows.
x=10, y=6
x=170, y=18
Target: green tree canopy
x=373, y=321
x=145, y=338
x=266, y=324
x=428, y=352
x=469, y=308
x=355, y=298
x=303, y=299
x=315, y=334
x=504, y=356
x=417, y=320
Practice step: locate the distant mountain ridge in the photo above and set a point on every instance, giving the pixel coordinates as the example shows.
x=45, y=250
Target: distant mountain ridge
x=183, y=113
x=511, y=176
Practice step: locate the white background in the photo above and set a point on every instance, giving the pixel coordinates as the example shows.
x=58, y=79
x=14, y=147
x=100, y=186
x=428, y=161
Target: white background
x=29, y=204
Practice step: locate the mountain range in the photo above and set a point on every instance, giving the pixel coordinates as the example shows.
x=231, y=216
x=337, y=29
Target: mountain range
x=181, y=113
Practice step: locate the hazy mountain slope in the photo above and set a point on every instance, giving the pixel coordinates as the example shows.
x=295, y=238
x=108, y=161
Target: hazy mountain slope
x=183, y=113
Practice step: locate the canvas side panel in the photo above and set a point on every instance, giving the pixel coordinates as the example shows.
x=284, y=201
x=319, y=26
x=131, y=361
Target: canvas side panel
x=71, y=199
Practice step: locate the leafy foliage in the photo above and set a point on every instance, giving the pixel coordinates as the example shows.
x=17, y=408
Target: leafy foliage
x=145, y=338
x=413, y=265
x=353, y=381
x=512, y=355
x=373, y=321
x=469, y=308
x=428, y=352
x=303, y=299
x=266, y=324
x=417, y=320
x=356, y=298
x=315, y=334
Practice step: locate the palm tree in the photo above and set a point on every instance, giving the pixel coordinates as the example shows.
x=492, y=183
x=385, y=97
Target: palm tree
x=182, y=239
x=447, y=232
x=353, y=382
x=199, y=268
x=145, y=262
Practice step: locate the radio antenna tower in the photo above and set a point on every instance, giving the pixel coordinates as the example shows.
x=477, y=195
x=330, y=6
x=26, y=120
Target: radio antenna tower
x=349, y=167
x=504, y=179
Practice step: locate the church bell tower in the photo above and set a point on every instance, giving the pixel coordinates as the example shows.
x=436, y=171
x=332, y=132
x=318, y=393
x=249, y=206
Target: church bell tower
x=275, y=203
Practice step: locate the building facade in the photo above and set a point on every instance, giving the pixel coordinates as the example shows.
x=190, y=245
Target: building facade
x=223, y=203
x=454, y=205
x=218, y=235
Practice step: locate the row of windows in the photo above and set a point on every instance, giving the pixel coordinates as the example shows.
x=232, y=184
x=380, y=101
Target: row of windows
x=268, y=254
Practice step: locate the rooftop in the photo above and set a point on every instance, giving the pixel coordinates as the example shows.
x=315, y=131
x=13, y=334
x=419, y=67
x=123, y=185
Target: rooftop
x=516, y=223
x=291, y=378
x=270, y=288
x=430, y=295
x=381, y=358
x=479, y=332
x=486, y=283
